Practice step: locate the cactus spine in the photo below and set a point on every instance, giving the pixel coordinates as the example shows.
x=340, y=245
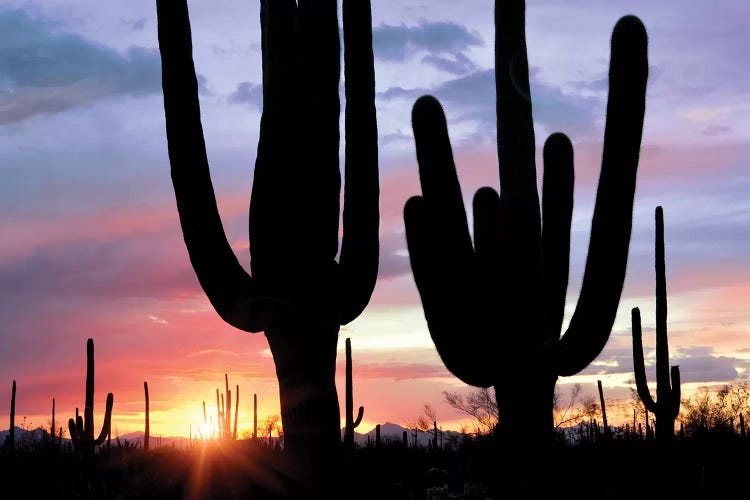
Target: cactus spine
x=298, y=299
x=82, y=429
x=351, y=422
x=146, y=433
x=507, y=287
x=667, y=406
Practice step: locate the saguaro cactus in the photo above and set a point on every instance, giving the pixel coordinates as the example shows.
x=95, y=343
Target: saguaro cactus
x=146, y=433
x=255, y=418
x=11, y=438
x=667, y=406
x=52, y=426
x=236, y=409
x=298, y=294
x=82, y=429
x=228, y=412
x=604, y=409
x=494, y=308
x=351, y=422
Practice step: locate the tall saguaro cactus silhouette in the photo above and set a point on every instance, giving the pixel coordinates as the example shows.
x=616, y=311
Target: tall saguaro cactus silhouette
x=667, y=404
x=82, y=429
x=494, y=308
x=298, y=294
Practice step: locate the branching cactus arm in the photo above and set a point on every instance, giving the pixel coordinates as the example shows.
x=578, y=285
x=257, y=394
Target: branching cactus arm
x=607, y=258
x=639, y=367
x=227, y=285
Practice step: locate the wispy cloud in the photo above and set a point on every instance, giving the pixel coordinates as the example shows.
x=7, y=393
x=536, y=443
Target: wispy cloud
x=472, y=98
x=45, y=70
x=398, y=43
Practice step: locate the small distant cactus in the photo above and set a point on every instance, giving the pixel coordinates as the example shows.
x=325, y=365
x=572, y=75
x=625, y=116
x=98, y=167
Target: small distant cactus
x=146, y=433
x=604, y=409
x=667, y=406
x=82, y=429
x=236, y=409
x=10, y=442
x=255, y=418
x=351, y=422
x=52, y=426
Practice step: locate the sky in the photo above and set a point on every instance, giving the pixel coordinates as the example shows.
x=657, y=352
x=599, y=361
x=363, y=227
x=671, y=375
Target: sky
x=91, y=245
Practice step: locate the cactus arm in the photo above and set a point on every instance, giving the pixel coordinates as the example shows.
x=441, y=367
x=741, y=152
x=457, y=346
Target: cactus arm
x=107, y=425
x=358, y=262
x=226, y=284
x=73, y=431
x=557, y=213
x=319, y=56
x=440, y=249
x=639, y=367
x=606, y=262
x=79, y=427
x=676, y=392
x=358, y=420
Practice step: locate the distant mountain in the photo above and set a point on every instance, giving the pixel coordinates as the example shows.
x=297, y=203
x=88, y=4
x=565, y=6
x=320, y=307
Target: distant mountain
x=390, y=432
x=23, y=437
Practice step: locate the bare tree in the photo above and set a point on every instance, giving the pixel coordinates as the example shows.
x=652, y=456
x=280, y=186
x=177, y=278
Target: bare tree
x=480, y=404
x=270, y=425
x=574, y=409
